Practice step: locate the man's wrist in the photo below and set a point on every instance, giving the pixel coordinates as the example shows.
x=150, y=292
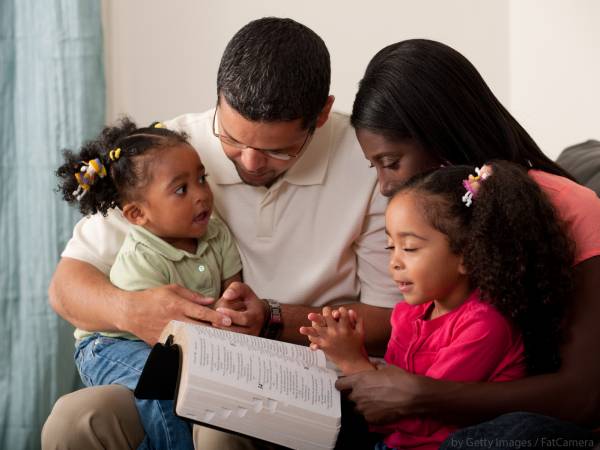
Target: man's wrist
x=273, y=322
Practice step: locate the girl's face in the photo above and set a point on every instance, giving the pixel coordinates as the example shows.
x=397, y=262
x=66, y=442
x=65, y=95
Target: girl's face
x=177, y=202
x=421, y=262
x=395, y=161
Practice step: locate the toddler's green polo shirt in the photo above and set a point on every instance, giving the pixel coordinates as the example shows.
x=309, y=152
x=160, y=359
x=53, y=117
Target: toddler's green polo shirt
x=146, y=261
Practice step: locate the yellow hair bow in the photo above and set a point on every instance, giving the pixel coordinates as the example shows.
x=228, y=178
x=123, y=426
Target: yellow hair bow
x=114, y=154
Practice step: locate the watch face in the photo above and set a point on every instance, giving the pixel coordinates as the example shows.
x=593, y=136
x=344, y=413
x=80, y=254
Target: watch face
x=275, y=325
x=275, y=312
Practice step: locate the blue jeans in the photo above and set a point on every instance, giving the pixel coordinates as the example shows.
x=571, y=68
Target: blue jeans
x=521, y=430
x=381, y=446
x=104, y=360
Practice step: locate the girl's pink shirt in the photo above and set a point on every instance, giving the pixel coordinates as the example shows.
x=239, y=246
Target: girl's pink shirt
x=474, y=342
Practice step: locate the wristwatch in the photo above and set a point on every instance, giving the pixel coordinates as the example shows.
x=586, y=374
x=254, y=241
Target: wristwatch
x=273, y=325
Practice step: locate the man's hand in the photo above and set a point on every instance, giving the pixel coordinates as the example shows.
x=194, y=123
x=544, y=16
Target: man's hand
x=384, y=395
x=246, y=311
x=148, y=312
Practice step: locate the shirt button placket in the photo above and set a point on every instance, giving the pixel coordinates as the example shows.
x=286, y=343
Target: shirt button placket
x=266, y=214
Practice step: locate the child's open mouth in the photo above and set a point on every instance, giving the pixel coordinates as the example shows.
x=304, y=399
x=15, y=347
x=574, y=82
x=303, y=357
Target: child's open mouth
x=202, y=217
x=404, y=286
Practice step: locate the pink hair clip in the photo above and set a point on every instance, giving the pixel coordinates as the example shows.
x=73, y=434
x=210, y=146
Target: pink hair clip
x=473, y=183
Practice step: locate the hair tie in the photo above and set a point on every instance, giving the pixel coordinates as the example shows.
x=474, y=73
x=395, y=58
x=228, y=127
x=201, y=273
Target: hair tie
x=88, y=174
x=473, y=183
x=114, y=154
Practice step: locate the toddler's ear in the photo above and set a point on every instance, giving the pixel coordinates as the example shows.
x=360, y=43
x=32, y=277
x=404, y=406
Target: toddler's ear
x=134, y=214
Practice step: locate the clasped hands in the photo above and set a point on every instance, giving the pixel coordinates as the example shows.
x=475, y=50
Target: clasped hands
x=382, y=394
x=340, y=334
x=245, y=311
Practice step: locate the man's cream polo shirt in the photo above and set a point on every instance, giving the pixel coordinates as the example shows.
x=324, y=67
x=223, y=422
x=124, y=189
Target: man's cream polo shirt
x=315, y=237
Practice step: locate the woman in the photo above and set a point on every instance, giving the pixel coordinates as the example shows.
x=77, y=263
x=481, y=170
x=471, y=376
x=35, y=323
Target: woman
x=420, y=105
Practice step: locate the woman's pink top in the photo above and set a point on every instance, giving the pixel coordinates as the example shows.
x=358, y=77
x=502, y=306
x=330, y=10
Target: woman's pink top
x=578, y=207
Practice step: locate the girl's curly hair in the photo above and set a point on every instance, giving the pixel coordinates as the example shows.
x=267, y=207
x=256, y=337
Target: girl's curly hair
x=515, y=249
x=127, y=174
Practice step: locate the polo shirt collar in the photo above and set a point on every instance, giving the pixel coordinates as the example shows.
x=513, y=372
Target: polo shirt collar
x=145, y=237
x=310, y=167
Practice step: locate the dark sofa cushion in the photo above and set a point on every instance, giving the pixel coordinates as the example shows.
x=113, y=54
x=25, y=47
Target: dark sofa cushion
x=583, y=162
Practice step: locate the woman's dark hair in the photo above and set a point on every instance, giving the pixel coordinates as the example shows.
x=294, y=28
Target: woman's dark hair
x=426, y=91
x=515, y=249
x=275, y=69
x=125, y=175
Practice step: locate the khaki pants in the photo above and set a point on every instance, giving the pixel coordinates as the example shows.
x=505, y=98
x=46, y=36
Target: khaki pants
x=105, y=417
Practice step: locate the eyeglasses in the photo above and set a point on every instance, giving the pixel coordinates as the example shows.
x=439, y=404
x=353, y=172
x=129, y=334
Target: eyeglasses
x=282, y=155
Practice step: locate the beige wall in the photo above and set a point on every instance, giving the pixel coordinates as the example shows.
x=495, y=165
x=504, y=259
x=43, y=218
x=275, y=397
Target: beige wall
x=162, y=56
x=555, y=70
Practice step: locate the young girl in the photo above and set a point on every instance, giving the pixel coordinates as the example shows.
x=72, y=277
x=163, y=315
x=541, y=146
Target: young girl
x=484, y=267
x=158, y=182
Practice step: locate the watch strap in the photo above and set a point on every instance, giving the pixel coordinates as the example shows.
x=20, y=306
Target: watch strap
x=273, y=325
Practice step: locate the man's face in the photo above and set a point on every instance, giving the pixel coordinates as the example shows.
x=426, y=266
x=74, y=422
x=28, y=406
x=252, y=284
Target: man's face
x=255, y=142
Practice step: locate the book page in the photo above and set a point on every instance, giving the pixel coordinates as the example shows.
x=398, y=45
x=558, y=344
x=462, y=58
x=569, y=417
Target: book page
x=274, y=348
x=253, y=368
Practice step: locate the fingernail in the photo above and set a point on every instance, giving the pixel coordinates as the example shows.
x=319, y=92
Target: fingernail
x=226, y=321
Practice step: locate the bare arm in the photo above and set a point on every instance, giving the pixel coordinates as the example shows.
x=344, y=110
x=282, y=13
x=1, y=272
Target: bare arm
x=251, y=319
x=84, y=296
x=571, y=394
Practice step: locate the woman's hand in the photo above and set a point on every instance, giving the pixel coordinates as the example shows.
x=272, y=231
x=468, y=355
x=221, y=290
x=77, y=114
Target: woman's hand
x=384, y=395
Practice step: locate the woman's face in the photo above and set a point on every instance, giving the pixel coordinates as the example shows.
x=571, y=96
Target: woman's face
x=395, y=160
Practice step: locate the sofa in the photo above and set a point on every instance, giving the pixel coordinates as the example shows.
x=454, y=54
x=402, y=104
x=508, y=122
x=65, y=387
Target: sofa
x=583, y=162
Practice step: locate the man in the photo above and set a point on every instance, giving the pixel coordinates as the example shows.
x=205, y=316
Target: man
x=290, y=181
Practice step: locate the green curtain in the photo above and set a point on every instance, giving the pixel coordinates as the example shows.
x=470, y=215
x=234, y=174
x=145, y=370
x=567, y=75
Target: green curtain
x=51, y=97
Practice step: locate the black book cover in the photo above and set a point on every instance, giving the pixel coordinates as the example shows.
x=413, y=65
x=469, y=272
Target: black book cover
x=160, y=376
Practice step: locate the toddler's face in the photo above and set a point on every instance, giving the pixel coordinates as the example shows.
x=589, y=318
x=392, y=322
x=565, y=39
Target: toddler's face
x=177, y=202
x=421, y=262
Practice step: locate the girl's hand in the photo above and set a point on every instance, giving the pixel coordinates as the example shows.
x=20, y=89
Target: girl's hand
x=340, y=334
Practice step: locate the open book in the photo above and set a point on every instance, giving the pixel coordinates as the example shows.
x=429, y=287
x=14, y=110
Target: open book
x=271, y=390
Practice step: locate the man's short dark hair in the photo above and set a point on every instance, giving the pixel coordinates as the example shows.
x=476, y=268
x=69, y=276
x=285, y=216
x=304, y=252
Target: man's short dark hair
x=275, y=69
